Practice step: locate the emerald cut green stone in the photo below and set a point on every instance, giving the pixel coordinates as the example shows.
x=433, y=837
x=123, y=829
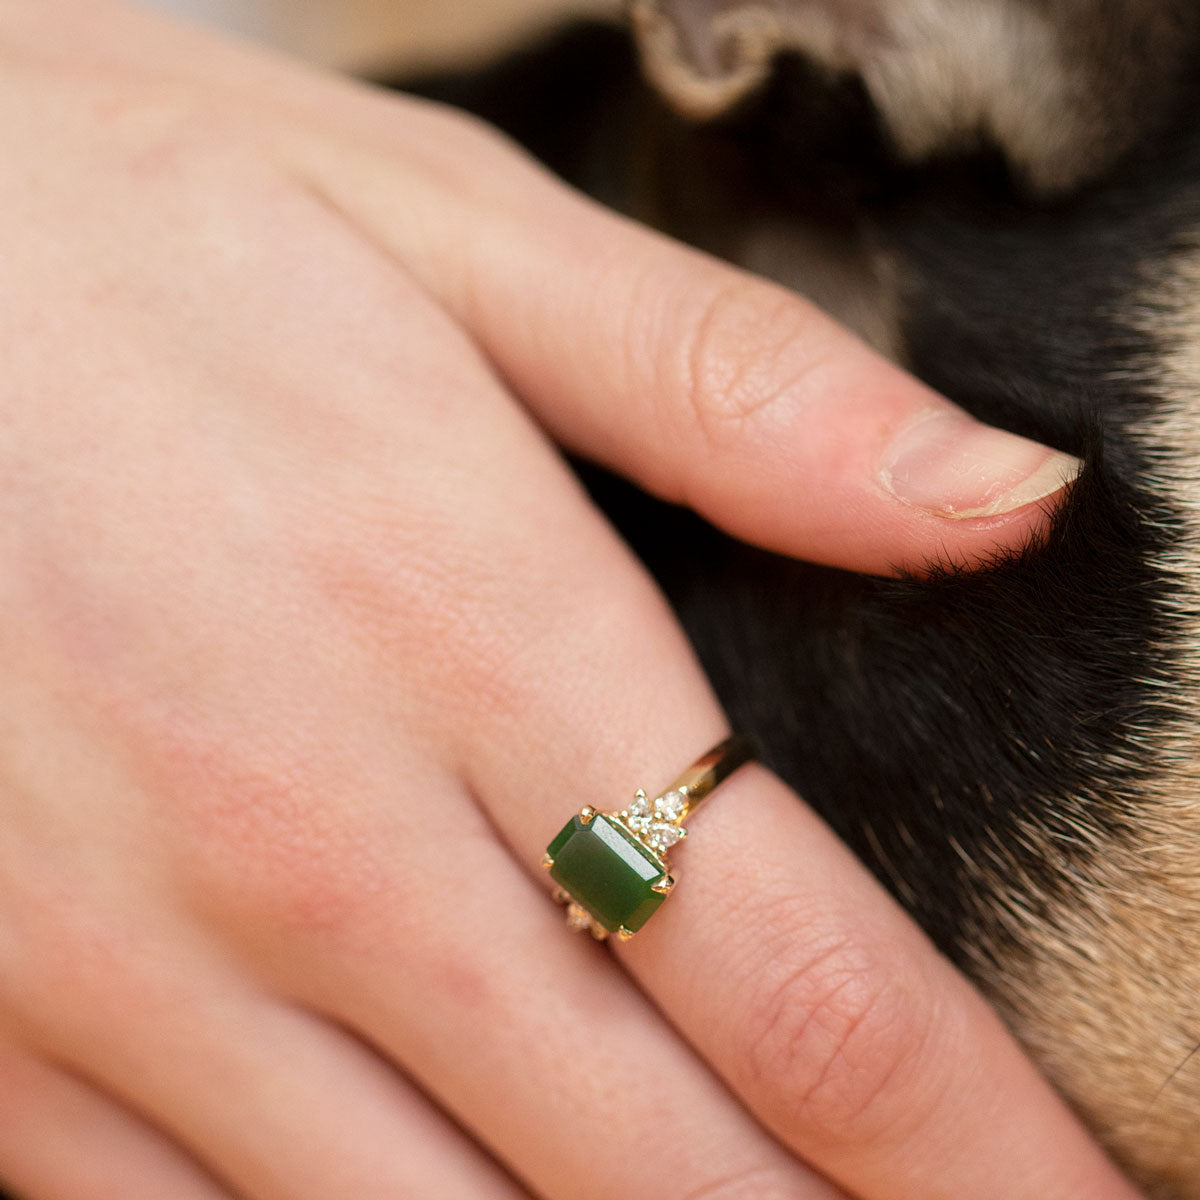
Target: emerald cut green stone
x=608, y=871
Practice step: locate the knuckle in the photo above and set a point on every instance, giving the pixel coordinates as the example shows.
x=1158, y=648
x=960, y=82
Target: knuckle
x=432, y=605
x=831, y=1044
x=262, y=833
x=292, y=862
x=749, y=343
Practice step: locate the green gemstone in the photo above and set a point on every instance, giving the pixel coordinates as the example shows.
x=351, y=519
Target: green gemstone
x=608, y=871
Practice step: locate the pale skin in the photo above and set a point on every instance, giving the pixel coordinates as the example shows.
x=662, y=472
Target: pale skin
x=311, y=642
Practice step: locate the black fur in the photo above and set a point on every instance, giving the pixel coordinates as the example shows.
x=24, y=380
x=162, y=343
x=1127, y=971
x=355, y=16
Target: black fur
x=962, y=732
x=925, y=719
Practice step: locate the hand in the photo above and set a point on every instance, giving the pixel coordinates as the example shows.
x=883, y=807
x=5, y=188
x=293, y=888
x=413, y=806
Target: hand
x=311, y=642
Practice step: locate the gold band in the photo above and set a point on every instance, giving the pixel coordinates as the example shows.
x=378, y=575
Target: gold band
x=710, y=770
x=611, y=867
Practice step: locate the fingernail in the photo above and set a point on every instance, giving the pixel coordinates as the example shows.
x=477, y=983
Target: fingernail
x=956, y=467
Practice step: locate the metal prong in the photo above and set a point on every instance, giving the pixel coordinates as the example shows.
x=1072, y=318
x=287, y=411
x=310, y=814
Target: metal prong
x=586, y=813
x=664, y=885
x=547, y=861
x=599, y=932
x=624, y=934
x=640, y=794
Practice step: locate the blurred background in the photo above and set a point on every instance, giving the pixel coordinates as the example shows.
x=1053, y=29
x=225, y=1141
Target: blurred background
x=365, y=35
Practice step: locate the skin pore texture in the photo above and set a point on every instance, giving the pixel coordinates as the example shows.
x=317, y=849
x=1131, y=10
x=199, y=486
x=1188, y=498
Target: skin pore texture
x=1051, y=853
x=312, y=640
x=1050, y=850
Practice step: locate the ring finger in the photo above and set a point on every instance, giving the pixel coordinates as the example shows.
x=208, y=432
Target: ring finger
x=779, y=958
x=537, y=1043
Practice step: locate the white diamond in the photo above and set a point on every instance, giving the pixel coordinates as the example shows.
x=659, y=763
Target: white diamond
x=663, y=836
x=670, y=807
x=641, y=813
x=578, y=917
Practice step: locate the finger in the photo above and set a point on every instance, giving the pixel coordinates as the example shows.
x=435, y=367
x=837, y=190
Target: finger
x=704, y=384
x=844, y=1030
x=819, y=1002
x=778, y=957
x=274, y=1101
x=62, y=1140
x=538, y=1043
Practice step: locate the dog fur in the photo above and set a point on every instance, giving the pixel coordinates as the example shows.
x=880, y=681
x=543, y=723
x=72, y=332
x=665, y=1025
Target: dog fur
x=1004, y=196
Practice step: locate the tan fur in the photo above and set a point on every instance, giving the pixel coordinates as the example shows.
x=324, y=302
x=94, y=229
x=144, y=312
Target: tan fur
x=1054, y=84
x=1105, y=987
x=941, y=72
x=1106, y=993
x=1102, y=983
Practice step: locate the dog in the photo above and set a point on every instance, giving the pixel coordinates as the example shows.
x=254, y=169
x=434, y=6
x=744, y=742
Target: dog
x=1003, y=196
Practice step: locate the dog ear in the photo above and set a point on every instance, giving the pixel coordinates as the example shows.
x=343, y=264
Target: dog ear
x=1062, y=87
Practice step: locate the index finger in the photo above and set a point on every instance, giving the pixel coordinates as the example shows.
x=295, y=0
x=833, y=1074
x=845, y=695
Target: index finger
x=705, y=384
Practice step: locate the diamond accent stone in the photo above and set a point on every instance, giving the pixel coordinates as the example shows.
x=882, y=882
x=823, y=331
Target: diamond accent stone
x=662, y=835
x=671, y=806
x=578, y=917
x=641, y=813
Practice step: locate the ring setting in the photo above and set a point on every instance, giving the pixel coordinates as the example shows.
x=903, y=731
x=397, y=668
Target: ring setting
x=611, y=867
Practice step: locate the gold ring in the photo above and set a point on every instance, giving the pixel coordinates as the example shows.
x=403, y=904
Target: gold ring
x=611, y=867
